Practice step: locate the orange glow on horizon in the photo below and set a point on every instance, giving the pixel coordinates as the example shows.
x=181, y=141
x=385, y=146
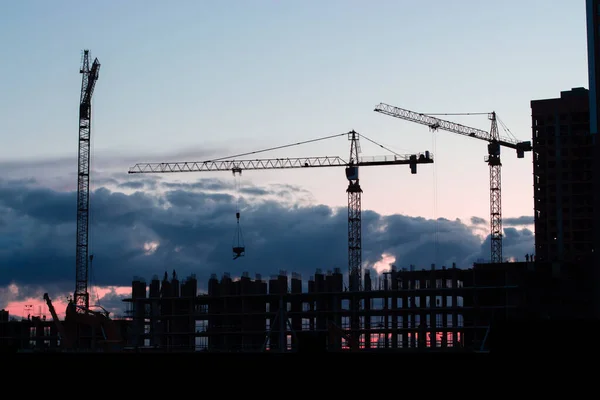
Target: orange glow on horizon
x=385, y=263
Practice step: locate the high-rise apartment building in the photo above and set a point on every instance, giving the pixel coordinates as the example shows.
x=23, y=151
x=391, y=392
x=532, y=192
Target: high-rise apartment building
x=593, y=47
x=562, y=168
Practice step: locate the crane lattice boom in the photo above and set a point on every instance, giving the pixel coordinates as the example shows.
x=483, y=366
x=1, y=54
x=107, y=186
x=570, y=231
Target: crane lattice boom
x=275, y=163
x=436, y=123
x=88, y=83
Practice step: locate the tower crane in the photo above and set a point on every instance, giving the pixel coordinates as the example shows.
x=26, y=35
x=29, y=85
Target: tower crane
x=495, y=141
x=354, y=191
x=89, y=77
x=78, y=310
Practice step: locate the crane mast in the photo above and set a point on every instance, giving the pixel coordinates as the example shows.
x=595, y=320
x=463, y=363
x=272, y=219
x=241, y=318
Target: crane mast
x=354, y=239
x=493, y=160
x=495, y=141
x=88, y=82
x=354, y=216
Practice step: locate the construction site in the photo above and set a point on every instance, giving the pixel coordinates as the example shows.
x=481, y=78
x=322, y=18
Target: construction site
x=433, y=308
x=411, y=310
x=444, y=309
x=415, y=309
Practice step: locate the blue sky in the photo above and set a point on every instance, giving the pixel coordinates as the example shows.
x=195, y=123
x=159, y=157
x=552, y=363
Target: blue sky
x=230, y=76
x=191, y=80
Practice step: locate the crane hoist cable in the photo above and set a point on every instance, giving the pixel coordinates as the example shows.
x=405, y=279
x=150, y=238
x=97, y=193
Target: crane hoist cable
x=436, y=226
x=93, y=290
x=238, y=247
x=280, y=147
x=505, y=128
x=301, y=143
x=509, y=134
x=380, y=145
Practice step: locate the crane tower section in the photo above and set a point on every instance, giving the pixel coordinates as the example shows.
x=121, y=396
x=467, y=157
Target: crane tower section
x=354, y=216
x=88, y=82
x=493, y=160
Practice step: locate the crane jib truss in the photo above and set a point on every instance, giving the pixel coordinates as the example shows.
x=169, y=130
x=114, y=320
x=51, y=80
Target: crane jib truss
x=436, y=123
x=88, y=82
x=493, y=160
x=276, y=163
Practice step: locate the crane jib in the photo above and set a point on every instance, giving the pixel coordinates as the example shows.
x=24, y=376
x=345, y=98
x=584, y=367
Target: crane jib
x=279, y=163
x=436, y=123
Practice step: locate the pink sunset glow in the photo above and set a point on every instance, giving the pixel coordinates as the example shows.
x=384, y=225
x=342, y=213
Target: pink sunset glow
x=385, y=263
x=34, y=306
x=378, y=340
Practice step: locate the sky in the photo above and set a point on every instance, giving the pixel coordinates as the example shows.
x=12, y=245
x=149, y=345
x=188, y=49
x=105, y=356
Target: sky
x=195, y=80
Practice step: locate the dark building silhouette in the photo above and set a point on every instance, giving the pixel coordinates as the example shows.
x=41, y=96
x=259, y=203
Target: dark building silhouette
x=564, y=198
x=593, y=45
x=562, y=169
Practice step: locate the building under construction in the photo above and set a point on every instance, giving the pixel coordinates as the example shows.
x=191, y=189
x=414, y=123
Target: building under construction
x=35, y=333
x=435, y=309
x=402, y=310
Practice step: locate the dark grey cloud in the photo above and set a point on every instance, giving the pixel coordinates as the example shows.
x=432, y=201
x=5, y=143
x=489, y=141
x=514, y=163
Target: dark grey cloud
x=519, y=221
x=515, y=244
x=133, y=185
x=123, y=180
x=113, y=303
x=478, y=221
x=191, y=229
x=108, y=160
x=206, y=184
x=217, y=185
x=107, y=167
x=42, y=204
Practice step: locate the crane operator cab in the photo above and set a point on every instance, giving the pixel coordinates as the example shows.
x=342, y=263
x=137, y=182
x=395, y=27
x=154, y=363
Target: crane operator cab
x=352, y=172
x=71, y=310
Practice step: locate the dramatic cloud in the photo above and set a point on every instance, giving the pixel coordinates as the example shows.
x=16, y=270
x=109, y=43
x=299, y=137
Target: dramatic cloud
x=154, y=226
x=105, y=161
x=61, y=173
x=478, y=221
x=519, y=221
